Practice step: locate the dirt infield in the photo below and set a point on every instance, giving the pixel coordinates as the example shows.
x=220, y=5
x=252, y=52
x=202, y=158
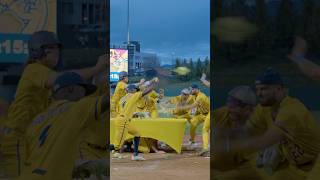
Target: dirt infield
x=187, y=166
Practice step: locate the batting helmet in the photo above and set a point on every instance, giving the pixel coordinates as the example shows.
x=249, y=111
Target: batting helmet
x=37, y=42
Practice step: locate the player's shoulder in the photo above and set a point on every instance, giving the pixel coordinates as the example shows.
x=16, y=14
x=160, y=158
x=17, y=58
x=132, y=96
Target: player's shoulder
x=35, y=67
x=293, y=105
x=121, y=85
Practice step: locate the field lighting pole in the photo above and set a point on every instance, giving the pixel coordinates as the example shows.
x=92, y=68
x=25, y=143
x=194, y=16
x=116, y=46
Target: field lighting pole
x=128, y=24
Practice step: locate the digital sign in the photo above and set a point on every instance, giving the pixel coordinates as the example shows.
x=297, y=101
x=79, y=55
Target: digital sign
x=118, y=63
x=25, y=18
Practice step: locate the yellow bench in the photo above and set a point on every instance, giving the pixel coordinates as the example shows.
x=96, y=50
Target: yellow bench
x=167, y=130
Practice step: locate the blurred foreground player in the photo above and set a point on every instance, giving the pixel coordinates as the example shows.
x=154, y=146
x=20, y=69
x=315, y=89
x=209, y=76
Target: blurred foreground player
x=53, y=136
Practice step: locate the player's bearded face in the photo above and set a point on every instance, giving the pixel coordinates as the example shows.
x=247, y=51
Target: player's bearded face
x=266, y=94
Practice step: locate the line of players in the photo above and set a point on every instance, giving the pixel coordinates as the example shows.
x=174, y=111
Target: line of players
x=192, y=105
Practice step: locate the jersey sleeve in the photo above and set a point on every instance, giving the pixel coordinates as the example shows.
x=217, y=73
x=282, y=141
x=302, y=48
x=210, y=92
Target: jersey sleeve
x=174, y=100
x=86, y=110
x=287, y=119
x=256, y=124
x=37, y=75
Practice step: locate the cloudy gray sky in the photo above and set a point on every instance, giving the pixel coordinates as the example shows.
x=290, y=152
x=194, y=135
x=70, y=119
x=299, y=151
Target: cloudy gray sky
x=164, y=27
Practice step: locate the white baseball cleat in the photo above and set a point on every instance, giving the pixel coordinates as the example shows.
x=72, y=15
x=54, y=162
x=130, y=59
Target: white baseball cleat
x=117, y=155
x=137, y=158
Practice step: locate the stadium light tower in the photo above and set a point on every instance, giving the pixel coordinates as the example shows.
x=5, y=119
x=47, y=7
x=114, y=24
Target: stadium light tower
x=128, y=24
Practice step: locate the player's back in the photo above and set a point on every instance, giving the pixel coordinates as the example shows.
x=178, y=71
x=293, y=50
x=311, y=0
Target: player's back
x=128, y=104
x=203, y=103
x=120, y=91
x=31, y=97
x=53, y=138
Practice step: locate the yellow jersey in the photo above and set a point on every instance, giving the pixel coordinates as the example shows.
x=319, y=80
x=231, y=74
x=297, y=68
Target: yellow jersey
x=119, y=92
x=53, y=138
x=177, y=100
x=221, y=119
x=128, y=104
x=302, y=140
x=203, y=103
x=31, y=98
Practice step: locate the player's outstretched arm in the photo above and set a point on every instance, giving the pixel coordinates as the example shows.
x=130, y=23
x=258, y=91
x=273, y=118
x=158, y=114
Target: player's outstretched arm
x=253, y=144
x=204, y=81
x=150, y=87
x=140, y=83
x=306, y=66
x=85, y=73
x=186, y=107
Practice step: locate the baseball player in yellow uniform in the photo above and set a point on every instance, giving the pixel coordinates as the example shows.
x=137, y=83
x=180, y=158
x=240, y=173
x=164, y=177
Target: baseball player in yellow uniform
x=32, y=95
x=283, y=122
x=53, y=136
x=123, y=126
x=202, y=105
x=119, y=92
x=239, y=107
x=183, y=99
x=206, y=125
x=93, y=144
x=148, y=104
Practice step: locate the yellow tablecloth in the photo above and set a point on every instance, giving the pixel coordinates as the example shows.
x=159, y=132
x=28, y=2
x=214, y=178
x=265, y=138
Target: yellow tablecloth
x=168, y=130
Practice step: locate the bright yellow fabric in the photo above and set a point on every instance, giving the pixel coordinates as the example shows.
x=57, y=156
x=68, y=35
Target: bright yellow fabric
x=168, y=130
x=127, y=107
x=54, y=136
x=119, y=92
x=296, y=123
x=203, y=103
x=123, y=126
x=177, y=100
x=238, y=166
x=148, y=104
x=128, y=104
x=195, y=122
x=206, y=132
x=31, y=97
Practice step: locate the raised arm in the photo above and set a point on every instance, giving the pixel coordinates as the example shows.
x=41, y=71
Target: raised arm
x=85, y=73
x=306, y=66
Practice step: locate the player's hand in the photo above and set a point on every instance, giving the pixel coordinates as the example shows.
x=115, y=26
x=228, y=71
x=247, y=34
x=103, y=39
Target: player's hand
x=102, y=62
x=142, y=81
x=299, y=49
x=156, y=79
